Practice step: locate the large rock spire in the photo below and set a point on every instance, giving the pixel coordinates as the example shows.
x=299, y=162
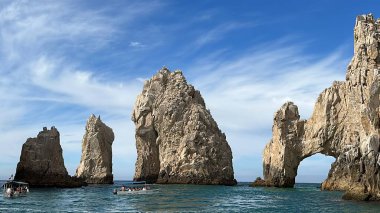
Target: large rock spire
x=177, y=139
x=41, y=162
x=96, y=162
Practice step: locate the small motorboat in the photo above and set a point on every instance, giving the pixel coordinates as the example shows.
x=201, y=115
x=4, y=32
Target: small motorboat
x=135, y=187
x=15, y=189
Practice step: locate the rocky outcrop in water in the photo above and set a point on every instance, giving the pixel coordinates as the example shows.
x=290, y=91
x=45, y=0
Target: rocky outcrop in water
x=177, y=139
x=41, y=162
x=345, y=124
x=96, y=162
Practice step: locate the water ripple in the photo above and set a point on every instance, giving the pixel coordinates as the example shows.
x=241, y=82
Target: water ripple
x=186, y=198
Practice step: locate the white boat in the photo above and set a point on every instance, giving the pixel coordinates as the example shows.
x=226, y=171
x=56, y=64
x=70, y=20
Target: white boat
x=139, y=187
x=15, y=189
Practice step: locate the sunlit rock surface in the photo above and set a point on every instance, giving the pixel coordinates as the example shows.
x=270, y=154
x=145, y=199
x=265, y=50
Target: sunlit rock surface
x=177, y=139
x=96, y=162
x=344, y=124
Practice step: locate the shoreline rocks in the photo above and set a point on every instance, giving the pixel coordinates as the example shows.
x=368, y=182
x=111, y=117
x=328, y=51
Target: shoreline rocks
x=177, y=140
x=345, y=124
x=41, y=162
x=96, y=162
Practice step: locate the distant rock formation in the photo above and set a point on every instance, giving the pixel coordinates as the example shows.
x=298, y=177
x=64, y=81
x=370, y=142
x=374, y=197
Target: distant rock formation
x=345, y=124
x=96, y=163
x=41, y=162
x=177, y=139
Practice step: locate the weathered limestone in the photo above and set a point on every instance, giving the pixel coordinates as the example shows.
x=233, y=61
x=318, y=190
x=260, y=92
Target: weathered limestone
x=96, y=162
x=41, y=162
x=345, y=124
x=177, y=139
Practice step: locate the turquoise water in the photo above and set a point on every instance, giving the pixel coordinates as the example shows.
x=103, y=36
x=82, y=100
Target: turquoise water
x=186, y=198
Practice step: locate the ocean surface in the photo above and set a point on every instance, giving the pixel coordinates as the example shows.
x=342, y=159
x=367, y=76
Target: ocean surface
x=185, y=198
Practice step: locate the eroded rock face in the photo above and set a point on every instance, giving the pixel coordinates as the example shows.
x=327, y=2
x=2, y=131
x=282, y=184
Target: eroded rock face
x=177, y=139
x=344, y=124
x=41, y=162
x=96, y=162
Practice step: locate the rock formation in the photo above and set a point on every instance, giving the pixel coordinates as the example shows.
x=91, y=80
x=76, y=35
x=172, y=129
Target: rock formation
x=41, y=162
x=345, y=124
x=177, y=139
x=96, y=163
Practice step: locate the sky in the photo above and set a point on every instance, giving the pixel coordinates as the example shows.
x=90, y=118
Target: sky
x=61, y=61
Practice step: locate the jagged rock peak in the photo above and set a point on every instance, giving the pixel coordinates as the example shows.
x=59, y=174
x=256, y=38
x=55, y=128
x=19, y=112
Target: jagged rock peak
x=96, y=161
x=41, y=162
x=177, y=139
x=345, y=124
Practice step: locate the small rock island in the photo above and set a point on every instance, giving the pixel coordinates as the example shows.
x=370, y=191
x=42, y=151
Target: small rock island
x=177, y=139
x=345, y=124
x=41, y=162
x=96, y=162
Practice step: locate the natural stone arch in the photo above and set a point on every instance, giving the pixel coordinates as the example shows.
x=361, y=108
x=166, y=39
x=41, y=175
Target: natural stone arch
x=345, y=124
x=287, y=149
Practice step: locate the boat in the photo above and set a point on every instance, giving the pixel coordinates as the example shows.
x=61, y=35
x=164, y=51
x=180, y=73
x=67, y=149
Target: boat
x=15, y=188
x=133, y=187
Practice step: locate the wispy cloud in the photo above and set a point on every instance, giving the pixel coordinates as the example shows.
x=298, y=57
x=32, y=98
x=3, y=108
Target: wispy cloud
x=217, y=33
x=136, y=44
x=82, y=87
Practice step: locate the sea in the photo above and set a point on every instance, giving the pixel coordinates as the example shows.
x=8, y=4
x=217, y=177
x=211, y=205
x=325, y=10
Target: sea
x=304, y=197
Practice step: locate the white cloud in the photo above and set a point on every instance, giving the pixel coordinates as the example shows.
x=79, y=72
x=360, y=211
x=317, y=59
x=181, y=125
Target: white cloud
x=135, y=44
x=82, y=87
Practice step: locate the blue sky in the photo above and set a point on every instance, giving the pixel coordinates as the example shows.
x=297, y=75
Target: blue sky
x=63, y=60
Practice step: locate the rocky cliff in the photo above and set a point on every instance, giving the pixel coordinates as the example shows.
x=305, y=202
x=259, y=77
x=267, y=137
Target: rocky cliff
x=177, y=139
x=41, y=162
x=96, y=162
x=344, y=124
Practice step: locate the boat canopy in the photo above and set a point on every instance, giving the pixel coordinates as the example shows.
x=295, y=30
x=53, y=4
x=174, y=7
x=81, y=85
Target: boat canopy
x=15, y=183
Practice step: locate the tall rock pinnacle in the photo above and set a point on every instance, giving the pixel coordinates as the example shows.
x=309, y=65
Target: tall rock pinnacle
x=41, y=162
x=96, y=162
x=345, y=124
x=177, y=139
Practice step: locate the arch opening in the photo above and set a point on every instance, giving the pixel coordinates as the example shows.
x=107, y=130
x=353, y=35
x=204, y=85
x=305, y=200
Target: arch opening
x=314, y=169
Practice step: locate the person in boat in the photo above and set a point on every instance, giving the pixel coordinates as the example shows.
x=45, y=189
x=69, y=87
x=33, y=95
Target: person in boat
x=9, y=192
x=123, y=188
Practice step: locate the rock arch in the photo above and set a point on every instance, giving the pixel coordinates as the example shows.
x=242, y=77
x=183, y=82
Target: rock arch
x=288, y=148
x=344, y=124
